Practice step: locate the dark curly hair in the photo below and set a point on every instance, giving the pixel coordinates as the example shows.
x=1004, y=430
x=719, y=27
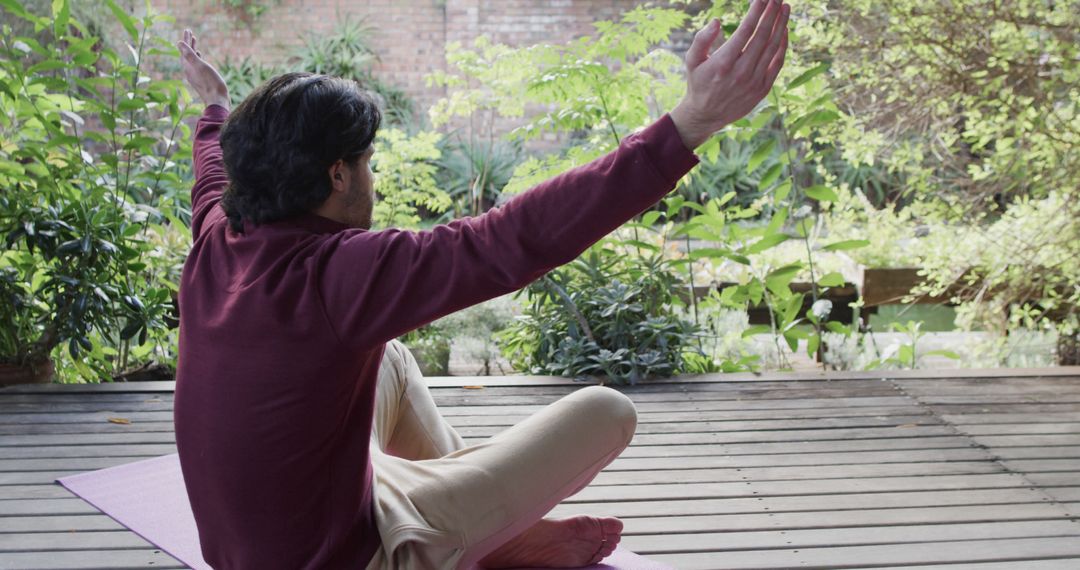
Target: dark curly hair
x=279, y=143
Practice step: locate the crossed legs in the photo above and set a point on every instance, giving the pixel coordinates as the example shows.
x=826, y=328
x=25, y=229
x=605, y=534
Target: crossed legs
x=484, y=504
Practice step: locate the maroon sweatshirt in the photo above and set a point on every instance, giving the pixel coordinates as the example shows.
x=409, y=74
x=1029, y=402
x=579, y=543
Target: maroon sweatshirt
x=282, y=329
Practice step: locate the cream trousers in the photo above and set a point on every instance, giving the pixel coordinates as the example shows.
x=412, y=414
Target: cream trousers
x=440, y=504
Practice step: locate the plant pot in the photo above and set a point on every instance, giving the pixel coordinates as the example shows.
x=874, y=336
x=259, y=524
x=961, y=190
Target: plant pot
x=432, y=358
x=38, y=373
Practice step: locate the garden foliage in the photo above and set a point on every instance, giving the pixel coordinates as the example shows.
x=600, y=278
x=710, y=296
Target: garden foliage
x=93, y=181
x=939, y=135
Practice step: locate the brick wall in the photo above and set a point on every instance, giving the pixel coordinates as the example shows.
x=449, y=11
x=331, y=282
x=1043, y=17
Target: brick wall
x=409, y=35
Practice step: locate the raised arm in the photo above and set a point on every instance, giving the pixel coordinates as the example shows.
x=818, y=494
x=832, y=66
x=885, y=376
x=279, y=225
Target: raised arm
x=378, y=285
x=210, y=177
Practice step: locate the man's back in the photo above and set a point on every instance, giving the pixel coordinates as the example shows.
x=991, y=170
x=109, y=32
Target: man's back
x=283, y=327
x=272, y=416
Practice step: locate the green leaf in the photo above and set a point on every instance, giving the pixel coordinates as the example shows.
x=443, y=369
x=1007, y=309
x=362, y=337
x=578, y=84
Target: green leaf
x=767, y=242
x=791, y=312
x=812, y=344
x=822, y=193
x=15, y=7
x=808, y=75
x=782, y=191
x=756, y=329
x=778, y=279
x=945, y=353
x=846, y=244
x=771, y=175
x=813, y=119
x=61, y=12
x=792, y=340
x=124, y=18
x=833, y=279
x=838, y=328
x=649, y=218
x=907, y=355
x=760, y=154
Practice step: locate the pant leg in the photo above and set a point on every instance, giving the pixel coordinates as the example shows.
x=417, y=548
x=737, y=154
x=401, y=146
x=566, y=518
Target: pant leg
x=476, y=499
x=407, y=423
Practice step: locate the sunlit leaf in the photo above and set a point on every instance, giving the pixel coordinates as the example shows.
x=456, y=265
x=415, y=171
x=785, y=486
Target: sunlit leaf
x=846, y=244
x=807, y=75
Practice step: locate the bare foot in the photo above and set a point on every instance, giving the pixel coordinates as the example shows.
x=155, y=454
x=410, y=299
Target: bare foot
x=559, y=543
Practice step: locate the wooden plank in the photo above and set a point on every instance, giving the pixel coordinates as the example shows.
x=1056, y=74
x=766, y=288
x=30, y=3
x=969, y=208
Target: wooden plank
x=803, y=472
x=489, y=426
x=779, y=406
x=777, y=488
x=624, y=463
x=89, y=559
x=70, y=506
x=1053, y=440
x=59, y=451
x=1035, y=429
x=662, y=539
x=1053, y=564
x=735, y=426
x=1016, y=407
x=927, y=506
x=103, y=426
x=807, y=447
x=48, y=523
x=1012, y=418
x=120, y=436
x=67, y=463
x=40, y=491
x=85, y=418
x=997, y=550
x=78, y=540
x=1044, y=465
x=34, y=477
x=1063, y=451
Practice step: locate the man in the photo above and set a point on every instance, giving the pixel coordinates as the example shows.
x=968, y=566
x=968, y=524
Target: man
x=306, y=440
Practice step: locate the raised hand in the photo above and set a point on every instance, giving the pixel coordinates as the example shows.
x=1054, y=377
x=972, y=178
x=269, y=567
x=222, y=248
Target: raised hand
x=200, y=75
x=725, y=85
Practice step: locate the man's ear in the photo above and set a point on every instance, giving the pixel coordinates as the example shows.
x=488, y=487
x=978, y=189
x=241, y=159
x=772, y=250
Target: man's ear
x=338, y=172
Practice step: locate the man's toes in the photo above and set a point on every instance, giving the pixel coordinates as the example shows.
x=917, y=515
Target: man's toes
x=611, y=526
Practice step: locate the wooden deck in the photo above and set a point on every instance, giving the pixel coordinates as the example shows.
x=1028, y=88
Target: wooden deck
x=901, y=469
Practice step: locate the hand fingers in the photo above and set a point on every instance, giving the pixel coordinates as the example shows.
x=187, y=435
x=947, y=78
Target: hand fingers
x=763, y=33
x=777, y=62
x=746, y=28
x=779, y=34
x=699, y=49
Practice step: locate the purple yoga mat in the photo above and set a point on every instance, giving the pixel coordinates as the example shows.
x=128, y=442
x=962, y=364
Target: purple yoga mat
x=149, y=498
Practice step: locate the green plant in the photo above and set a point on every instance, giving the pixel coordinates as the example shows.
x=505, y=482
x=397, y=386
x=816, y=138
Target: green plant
x=474, y=173
x=91, y=168
x=249, y=11
x=476, y=329
x=244, y=75
x=906, y=355
x=345, y=52
x=605, y=315
x=430, y=346
x=405, y=178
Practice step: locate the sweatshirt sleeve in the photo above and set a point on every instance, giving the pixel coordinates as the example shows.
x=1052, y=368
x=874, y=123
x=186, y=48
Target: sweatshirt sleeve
x=210, y=177
x=379, y=285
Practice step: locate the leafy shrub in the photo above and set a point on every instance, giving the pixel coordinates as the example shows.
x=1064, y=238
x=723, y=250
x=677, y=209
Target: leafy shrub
x=474, y=173
x=605, y=315
x=91, y=166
